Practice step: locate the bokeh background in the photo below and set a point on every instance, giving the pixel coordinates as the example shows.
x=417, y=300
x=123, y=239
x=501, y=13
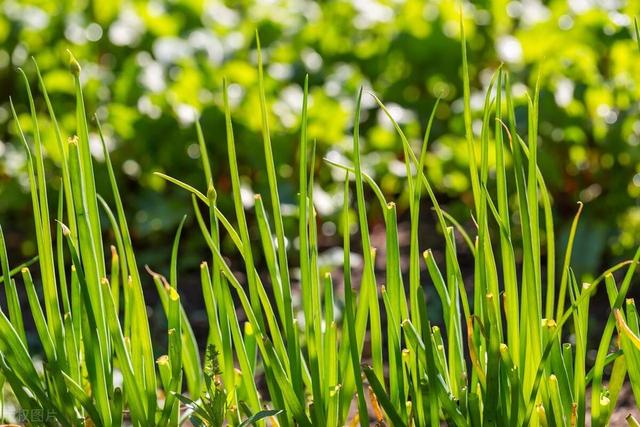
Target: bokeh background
x=151, y=68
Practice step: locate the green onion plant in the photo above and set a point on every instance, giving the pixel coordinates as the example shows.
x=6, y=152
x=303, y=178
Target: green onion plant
x=510, y=349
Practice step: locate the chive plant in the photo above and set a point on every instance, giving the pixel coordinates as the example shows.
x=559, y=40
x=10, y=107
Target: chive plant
x=497, y=358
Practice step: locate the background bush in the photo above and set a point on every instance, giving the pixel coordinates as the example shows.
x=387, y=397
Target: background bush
x=151, y=68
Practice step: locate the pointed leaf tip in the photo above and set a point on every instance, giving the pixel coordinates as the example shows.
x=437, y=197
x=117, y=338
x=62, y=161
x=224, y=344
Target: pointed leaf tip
x=212, y=195
x=74, y=65
x=65, y=230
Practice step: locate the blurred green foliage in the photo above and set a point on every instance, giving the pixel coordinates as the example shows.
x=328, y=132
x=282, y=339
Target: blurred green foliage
x=153, y=67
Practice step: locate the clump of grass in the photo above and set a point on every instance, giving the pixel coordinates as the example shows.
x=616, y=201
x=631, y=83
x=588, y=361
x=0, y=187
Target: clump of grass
x=500, y=359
